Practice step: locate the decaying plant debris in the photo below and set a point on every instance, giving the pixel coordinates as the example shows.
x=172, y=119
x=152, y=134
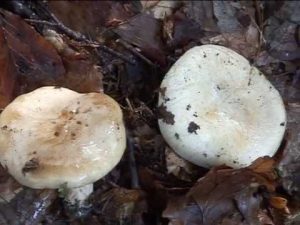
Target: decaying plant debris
x=124, y=48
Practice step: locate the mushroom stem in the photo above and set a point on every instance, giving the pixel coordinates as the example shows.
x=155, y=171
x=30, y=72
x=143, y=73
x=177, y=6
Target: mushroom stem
x=76, y=201
x=79, y=195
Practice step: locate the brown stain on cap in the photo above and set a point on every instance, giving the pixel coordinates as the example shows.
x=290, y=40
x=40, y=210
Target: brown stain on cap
x=166, y=116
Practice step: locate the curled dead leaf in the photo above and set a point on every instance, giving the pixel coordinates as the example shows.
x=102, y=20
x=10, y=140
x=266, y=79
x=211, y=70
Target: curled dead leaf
x=119, y=205
x=25, y=57
x=221, y=193
x=147, y=40
x=279, y=203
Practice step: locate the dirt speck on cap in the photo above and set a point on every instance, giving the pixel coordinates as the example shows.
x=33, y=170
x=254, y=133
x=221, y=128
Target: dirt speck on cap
x=30, y=165
x=193, y=127
x=166, y=116
x=162, y=91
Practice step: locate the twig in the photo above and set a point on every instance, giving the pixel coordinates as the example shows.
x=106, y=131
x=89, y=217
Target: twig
x=134, y=51
x=259, y=13
x=129, y=104
x=120, y=55
x=260, y=25
x=282, y=74
x=80, y=37
x=131, y=158
x=44, y=22
x=74, y=34
x=132, y=164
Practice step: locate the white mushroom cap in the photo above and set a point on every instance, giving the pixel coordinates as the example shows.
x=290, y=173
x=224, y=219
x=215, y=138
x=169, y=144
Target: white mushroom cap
x=218, y=109
x=54, y=136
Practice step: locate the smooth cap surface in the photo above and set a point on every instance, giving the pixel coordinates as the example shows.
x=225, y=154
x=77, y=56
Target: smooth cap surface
x=216, y=108
x=54, y=136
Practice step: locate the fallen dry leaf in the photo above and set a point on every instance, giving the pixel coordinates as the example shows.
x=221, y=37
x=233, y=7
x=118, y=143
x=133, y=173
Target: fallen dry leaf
x=82, y=73
x=121, y=206
x=282, y=31
x=289, y=165
x=147, y=40
x=201, y=12
x=9, y=187
x=80, y=15
x=246, y=43
x=25, y=56
x=181, y=30
x=264, y=218
x=227, y=23
x=27, y=208
x=161, y=9
x=33, y=61
x=221, y=193
x=7, y=78
x=278, y=202
x=148, y=4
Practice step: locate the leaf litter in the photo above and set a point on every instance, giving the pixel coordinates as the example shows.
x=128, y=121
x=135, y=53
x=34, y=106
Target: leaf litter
x=104, y=46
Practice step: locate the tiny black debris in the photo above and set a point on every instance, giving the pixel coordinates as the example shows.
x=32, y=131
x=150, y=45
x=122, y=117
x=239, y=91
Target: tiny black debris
x=249, y=81
x=193, y=127
x=30, y=165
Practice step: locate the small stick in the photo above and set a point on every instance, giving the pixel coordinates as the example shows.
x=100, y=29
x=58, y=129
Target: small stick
x=44, y=22
x=131, y=158
x=120, y=55
x=74, y=34
x=129, y=104
x=80, y=37
x=132, y=164
x=134, y=51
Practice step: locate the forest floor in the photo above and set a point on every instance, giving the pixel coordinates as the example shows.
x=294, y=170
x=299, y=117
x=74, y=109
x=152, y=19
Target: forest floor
x=125, y=48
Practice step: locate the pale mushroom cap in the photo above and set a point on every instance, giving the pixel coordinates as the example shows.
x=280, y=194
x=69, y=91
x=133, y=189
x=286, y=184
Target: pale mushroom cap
x=54, y=136
x=218, y=109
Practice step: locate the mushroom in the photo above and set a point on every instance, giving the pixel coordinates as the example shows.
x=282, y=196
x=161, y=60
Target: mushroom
x=57, y=138
x=216, y=108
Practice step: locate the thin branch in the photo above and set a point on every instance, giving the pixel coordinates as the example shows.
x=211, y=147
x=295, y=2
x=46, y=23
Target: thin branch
x=44, y=22
x=134, y=51
x=129, y=104
x=80, y=37
x=132, y=164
